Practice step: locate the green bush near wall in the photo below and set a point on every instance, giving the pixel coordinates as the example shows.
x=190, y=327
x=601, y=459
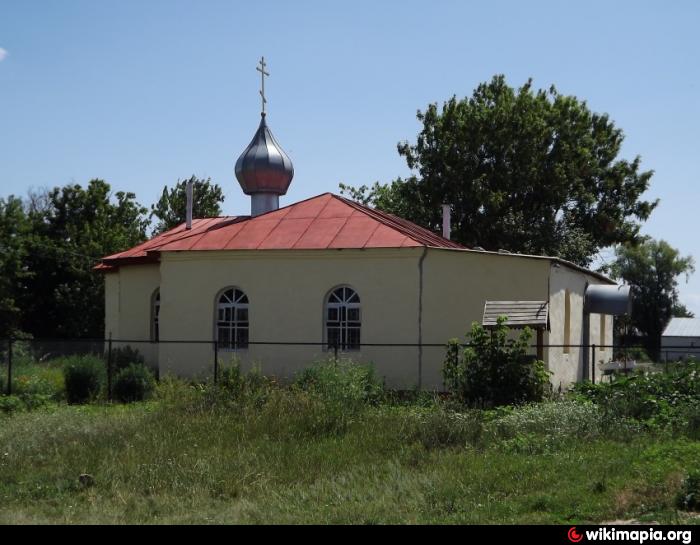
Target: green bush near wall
x=84, y=377
x=124, y=356
x=494, y=369
x=133, y=383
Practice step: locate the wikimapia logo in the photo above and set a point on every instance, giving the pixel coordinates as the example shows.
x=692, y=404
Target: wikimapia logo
x=636, y=536
x=573, y=535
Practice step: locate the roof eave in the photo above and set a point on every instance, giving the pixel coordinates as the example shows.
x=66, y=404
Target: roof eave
x=551, y=259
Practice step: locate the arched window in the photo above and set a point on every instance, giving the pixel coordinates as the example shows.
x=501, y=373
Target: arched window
x=343, y=320
x=232, y=320
x=155, y=311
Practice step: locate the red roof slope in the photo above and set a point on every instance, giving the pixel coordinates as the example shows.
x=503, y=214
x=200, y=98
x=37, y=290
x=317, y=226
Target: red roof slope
x=323, y=222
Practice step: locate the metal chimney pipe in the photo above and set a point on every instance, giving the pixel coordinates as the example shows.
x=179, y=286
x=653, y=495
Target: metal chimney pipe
x=188, y=193
x=446, y=221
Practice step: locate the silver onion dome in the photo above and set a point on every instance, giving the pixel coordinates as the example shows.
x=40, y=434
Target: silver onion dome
x=264, y=170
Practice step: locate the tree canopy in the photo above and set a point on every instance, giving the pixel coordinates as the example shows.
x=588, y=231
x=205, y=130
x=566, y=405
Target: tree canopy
x=652, y=269
x=171, y=208
x=527, y=171
x=52, y=239
x=53, y=290
x=14, y=230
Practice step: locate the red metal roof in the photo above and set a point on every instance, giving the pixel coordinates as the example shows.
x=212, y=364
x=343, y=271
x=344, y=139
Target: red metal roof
x=324, y=222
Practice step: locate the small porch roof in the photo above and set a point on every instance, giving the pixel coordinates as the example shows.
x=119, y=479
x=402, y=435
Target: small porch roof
x=520, y=314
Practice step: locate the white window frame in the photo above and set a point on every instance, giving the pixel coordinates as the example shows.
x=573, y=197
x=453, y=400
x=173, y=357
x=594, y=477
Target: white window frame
x=344, y=300
x=230, y=302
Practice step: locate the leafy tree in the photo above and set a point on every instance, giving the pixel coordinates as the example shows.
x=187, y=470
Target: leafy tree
x=681, y=311
x=527, y=171
x=70, y=230
x=14, y=230
x=171, y=208
x=652, y=269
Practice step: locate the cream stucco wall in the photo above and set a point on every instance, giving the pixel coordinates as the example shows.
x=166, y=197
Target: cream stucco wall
x=567, y=365
x=287, y=290
x=456, y=286
x=112, y=303
x=408, y=296
x=128, y=296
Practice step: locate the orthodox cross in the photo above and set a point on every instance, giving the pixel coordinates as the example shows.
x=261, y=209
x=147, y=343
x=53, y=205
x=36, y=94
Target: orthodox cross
x=263, y=73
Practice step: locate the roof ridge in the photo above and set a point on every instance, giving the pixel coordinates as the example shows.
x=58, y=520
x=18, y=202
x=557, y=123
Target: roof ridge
x=200, y=231
x=292, y=204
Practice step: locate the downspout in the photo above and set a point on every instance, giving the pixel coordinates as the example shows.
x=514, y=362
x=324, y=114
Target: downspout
x=420, y=317
x=586, y=333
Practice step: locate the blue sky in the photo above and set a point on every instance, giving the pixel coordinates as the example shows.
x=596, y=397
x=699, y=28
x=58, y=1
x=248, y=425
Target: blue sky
x=142, y=93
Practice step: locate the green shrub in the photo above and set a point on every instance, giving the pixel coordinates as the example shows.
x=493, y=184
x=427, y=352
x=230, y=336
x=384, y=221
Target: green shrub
x=688, y=498
x=14, y=403
x=232, y=380
x=561, y=418
x=39, y=379
x=35, y=401
x=236, y=386
x=494, y=370
x=556, y=419
x=344, y=383
x=33, y=386
x=84, y=377
x=133, y=383
x=660, y=400
x=124, y=356
x=10, y=404
x=45, y=379
x=330, y=395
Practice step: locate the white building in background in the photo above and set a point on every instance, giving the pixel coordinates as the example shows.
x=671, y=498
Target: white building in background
x=681, y=339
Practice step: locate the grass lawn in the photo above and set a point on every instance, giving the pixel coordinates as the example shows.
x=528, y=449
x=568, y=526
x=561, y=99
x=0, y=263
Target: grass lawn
x=290, y=459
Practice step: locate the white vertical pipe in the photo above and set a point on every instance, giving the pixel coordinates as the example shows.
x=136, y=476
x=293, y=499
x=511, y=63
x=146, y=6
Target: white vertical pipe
x=446, y=221
x=188, y=192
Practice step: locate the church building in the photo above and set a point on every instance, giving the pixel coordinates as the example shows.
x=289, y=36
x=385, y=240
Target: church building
x=285, y=287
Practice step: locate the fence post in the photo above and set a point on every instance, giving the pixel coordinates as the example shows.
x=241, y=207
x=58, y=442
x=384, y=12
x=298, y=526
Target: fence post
x=335, y=352
x=216, y=361
x=109, y=368
x=9, y=366
x=420, y=367
x=593, y=364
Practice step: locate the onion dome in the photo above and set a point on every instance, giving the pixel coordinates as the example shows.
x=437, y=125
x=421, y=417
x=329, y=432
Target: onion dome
x=264, y=167
x=264, y=170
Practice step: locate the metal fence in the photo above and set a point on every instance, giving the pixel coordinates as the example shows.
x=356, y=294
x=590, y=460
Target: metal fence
x=17, y=354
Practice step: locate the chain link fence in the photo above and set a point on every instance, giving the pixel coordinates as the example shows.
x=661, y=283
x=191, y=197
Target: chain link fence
x=404, y=365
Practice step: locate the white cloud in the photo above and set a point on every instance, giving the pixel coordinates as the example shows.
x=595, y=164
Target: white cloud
x=3, y=54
